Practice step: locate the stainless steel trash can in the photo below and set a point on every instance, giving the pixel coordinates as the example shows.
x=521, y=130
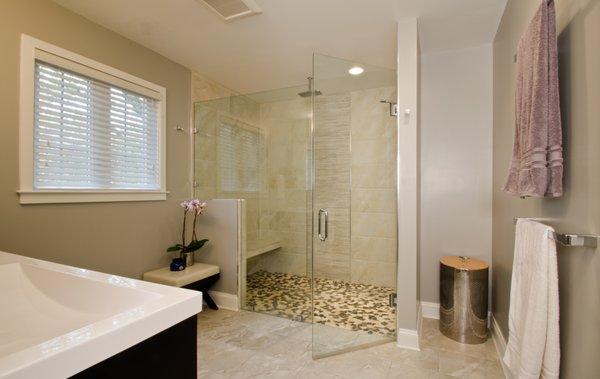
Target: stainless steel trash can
x=464, y=299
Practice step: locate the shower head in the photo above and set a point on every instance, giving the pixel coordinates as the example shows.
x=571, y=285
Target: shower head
x=310, y=89
x=309, y=93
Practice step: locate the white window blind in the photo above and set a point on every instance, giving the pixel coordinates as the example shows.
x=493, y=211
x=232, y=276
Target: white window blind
x=238, y=159
x=92, y=135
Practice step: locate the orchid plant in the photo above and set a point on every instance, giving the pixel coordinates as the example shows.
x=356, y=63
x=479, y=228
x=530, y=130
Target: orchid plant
x=197, y=208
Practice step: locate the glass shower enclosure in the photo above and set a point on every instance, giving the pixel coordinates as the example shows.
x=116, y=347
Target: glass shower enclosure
x=316, y=165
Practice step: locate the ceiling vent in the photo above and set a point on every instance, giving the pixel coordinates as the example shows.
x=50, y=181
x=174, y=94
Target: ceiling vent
x=230, y=10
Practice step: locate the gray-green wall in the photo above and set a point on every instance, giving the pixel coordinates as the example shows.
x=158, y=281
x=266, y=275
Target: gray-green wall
x=121, y=238
x=578, y=211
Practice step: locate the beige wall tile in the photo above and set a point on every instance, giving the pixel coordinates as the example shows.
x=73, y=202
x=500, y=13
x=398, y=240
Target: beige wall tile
x=370, y=117
x=205, y=89
x=374, y=151
x=332, y=266
x=374, y=200
x=245, y=109
x=373, y=176
x=355, y=157
x=280, y=261
x=375, y=273
x=374, y=224
x=374, y=249
x=362, y=177
x=287, y=125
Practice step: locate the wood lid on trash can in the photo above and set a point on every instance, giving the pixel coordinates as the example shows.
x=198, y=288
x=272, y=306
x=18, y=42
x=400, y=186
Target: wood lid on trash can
x=463, y=263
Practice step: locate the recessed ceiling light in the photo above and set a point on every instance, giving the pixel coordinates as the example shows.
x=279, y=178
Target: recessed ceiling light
x=356, y=70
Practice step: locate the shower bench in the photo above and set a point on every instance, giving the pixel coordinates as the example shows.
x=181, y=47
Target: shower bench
x=259, y=247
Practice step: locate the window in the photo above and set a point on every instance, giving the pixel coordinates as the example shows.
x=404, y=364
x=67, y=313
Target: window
x=237, y=158
x=88, y=132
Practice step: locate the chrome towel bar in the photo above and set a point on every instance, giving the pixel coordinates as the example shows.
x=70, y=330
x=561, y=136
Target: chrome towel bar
x=576, y=240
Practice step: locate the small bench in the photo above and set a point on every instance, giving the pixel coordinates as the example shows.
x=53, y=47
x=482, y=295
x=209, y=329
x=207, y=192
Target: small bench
x=199, y=277
x=255, y=248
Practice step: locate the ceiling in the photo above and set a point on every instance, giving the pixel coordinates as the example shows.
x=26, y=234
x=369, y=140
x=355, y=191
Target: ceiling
x=330, y=77
x=274, y=49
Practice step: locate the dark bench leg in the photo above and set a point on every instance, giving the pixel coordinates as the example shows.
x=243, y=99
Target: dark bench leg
x=203, y=286
x=209, y=301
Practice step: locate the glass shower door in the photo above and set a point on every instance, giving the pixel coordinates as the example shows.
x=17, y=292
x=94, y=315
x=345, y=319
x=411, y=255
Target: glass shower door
x=354, y=206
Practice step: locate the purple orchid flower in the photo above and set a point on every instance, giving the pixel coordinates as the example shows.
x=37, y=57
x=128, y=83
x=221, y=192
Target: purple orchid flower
x=197, y=207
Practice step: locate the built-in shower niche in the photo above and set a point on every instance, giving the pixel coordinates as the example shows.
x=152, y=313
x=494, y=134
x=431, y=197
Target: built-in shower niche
x=290, y=152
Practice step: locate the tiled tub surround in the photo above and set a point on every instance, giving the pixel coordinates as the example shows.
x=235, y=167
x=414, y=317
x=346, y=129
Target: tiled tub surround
x=351, y=306
x=253, y=345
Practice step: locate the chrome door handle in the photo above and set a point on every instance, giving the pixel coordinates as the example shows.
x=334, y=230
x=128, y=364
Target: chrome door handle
x=323, y=236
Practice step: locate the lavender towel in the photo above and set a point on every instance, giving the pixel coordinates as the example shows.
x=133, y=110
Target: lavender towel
x=537, y=163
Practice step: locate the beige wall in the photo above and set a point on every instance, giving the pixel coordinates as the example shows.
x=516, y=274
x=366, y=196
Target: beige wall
x=122, y=238
x=578, y=211
x=456, y=160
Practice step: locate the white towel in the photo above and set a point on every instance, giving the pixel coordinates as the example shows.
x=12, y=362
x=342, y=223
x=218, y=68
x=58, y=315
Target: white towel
x=533, y=349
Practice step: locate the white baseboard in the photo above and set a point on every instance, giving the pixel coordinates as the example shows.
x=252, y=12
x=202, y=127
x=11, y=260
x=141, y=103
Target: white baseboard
x=499, y=343
x=430, y=310
x=225, y=300
x=419, y=322
x=408, y=339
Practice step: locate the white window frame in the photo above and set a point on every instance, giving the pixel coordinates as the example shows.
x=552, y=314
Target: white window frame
x=32, y=49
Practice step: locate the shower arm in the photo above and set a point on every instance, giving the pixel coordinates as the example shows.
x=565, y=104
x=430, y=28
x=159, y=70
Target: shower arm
x=393, y=107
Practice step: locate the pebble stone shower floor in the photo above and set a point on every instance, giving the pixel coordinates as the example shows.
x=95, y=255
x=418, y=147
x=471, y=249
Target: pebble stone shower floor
x=352, y=306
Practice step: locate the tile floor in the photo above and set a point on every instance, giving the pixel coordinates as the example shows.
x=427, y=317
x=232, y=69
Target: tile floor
x=351, y=306
x=252, y=345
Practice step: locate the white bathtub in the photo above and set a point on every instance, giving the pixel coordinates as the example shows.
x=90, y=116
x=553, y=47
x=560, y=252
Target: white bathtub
x=57, y=320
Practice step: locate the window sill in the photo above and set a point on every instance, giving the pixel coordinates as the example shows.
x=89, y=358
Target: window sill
x=88, y=196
